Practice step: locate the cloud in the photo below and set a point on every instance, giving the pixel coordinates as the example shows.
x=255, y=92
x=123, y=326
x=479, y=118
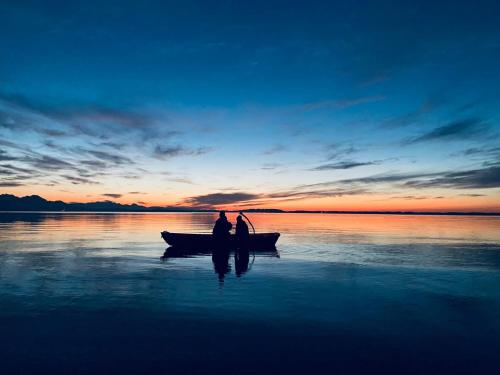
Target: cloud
x=417, y=197
x=343, y=165
x=167, y=152
x=429, y=106
x=383, y=178
x=54, y=133
x=336, y=150
x=163, y=152
x=457, y=130
x=79, y=180
x=112, y=195
x=245, y=199
x=275, y=149
x=94, y=164
x=46, y=162
x=300, y=192
x=493, y=150
x=181, y=180
x=270, y=166
x=6, y=172
x=93, y=120
x=17, y=169
x=488, y=154
x=481, y=178
x=341, y=103
x=110, y=157
x=217, y=199
x=33, y=158
x=10, y=184
x=96, y=125
x=4, y=156
x=484, y=178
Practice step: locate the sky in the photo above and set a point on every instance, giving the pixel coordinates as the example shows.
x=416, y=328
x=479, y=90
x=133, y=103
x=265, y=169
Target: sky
x=336, y=105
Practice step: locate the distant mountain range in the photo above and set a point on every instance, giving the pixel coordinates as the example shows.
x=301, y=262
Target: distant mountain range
x=9, y=202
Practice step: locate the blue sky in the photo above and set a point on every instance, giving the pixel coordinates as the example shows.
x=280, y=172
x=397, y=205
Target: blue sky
x=347, y=105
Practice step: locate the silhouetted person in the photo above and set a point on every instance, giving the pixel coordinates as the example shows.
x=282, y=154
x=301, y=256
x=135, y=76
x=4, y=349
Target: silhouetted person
x=221, y=231
x=242, y=234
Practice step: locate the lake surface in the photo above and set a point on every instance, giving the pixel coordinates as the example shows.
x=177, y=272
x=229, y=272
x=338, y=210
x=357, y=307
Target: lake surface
x=87, y=293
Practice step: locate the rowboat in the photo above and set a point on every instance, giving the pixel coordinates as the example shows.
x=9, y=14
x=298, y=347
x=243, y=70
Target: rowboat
x=256, y=242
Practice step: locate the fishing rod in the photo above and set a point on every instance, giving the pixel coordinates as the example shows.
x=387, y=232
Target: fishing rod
x=245, y=216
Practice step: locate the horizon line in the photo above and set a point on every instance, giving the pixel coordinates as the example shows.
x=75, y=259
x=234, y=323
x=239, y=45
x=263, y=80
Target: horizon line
x=137, y=208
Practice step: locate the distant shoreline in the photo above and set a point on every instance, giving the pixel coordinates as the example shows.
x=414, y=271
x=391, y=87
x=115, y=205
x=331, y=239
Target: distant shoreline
x=401, y=213
x=34, y=203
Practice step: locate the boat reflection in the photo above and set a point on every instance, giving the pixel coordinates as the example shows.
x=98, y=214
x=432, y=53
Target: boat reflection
x=174, y=252
x=243, y=258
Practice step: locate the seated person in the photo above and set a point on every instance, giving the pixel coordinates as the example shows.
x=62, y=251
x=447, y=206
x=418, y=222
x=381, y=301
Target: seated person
x=222, y=226
x=242, y=233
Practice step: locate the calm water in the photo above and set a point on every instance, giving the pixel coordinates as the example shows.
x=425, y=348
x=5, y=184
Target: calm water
x=83, y=293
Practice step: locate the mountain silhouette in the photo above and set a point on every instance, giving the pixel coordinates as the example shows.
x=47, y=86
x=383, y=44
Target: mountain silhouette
x=9, y=202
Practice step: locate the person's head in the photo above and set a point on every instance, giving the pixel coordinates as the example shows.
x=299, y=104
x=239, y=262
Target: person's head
x=239, y=218
x=222, y=214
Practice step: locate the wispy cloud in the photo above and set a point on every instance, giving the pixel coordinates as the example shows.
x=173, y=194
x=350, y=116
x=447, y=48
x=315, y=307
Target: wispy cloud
x=270, y=166
x=341, y=103
x=457, y=130
x=344, y=165
x=339, y=150
x=275, y=149
x=246, y=199
x=10, y=184
x=167, y=152
x=110, y=157
x=46, y=162
x=112, y=195
x=429, y=106
x=483, y=178
x=181, y=180
x=217, y=199
x=75, y=180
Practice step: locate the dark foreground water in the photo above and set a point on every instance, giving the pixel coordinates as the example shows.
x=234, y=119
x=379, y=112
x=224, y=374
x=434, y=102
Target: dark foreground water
x=88, y=293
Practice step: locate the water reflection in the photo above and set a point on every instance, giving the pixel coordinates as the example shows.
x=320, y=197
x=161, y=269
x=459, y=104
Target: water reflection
x=220, y=260
x=88, y=291
x=243, y=259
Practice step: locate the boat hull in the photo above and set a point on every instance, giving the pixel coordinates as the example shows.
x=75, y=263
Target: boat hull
x=259, y=241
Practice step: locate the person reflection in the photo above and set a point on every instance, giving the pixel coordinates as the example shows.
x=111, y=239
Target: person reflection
x=241, y=258
x=220, y=259
x=221, y=245
x=241, y=255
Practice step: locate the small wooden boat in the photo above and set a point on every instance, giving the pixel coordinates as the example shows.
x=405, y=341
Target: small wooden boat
x=256, y=242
